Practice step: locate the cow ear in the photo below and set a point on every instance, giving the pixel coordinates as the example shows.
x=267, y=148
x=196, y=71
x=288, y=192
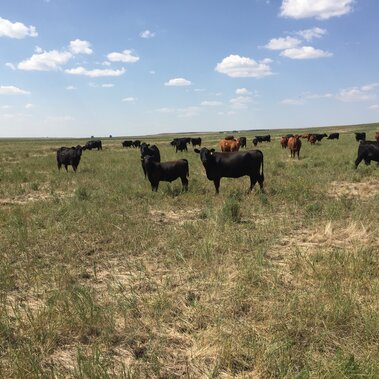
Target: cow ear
x=196, y=151
x=212, y=151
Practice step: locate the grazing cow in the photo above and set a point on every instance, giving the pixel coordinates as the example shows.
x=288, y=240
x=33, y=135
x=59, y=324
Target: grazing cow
x=377, y=136
x=180, y=143
x=196, y=142
x=284, y=141
x=319, y=137
x=334, y=136
x=69, y=156
x=255, y=141
x=232, y=165
x=360, y=136
x=93, y=145
x=266, y=138
x=305, y=136
x=312, y=139
x=367, y=151
x=243, y=142
x=294, y=144
x=152, y=151
x=166, y=172
x=137, y=143
x=127, y=143
x=229, y=145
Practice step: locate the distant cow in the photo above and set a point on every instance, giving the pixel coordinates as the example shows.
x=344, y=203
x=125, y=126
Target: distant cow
x=196, y=141
x=367, y=151
x=152, y=151
x=229, y=145
x=294, y=144
x=266, y=138
x=242, y=142
x=93, y=145
x=180, y=143
x=166, y=172
x=360, y=136
x=232, y=165
x=137, y=143
x=255, y=141
x=319, y=137
x=312, y=139
x=229, y=138
x=284, y=141
x=69, y=156
x=334, y=136
x=127, y=143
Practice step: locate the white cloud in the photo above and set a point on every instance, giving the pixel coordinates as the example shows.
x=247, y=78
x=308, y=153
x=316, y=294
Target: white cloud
x=189, y=111
x=45, y=61
x=236, y=66
x=107, y=85
x=305, y=52
x=208, y=103
x=80, y=47
x=10, y=65
x=240, y=102
x=166, y=110
x=374, y=107
x=147, y=34
x=125, y=56
x=152, y=72
x=96, y=73
x=309, y=34
x=129, y=99
x=355, y=94
x=29, y=106
x=282, y=43
x=320, y=9
x=177, y=82
x=38, y=50
x=70, y=88
x=242, y=91
x=16, y=30
x=12, y=90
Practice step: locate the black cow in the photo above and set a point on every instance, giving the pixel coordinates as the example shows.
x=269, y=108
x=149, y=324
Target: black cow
x=266, y=138
x=319, y=137
x=242, y=142
x=255, y=141
x=93, y=145
x=69, y=156
x=166, y=172
x=137, y=143
x=180, y=143
x=127, y=143
x=232, y=165
x=334, y=136
x=367, y=151
x=360, y=136
x=152, y=151
x=196, y=142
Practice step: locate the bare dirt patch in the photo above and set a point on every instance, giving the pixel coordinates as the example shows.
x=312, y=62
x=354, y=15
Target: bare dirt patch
x=349, y=189
x=31, y=197
x=178, y=217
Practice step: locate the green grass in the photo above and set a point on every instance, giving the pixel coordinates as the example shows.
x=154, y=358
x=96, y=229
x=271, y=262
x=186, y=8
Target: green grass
x=100, y=277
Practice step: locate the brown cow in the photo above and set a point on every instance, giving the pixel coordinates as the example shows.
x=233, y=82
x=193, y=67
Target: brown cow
x=312, y=139
x=284, y=142
x=377, y=136
x=294, y=144
x=229, y=145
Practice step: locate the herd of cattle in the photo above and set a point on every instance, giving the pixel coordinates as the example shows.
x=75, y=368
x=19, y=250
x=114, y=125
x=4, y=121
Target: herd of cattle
x=229, y=163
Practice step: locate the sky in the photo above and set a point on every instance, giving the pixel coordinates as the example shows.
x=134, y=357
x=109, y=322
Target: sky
x=72, y=68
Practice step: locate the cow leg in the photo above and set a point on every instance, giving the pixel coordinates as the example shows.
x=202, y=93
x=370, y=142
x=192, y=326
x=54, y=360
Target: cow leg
x=358, y=160
x=253, y=181
x=65, y=166
x=59, y=165
x=74, y=167
x=217, y=184
x=184, y=183
x=298, y=154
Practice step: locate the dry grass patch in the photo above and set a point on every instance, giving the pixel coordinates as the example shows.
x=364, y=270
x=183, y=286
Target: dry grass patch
x=349, y=189
x=178, y=217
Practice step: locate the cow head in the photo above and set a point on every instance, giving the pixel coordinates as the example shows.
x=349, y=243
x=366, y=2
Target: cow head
x=206, y=155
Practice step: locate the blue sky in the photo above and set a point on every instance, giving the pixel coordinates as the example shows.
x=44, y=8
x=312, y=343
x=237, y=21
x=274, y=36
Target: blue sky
x=74, y=68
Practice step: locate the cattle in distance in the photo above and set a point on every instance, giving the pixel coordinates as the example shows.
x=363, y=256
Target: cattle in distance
x=232, y=165
x=367, y=151
x=334, y=136
x=93, y=145
x=294, y=145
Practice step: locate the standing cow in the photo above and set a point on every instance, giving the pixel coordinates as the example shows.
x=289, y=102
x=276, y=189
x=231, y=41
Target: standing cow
x=232, y=165
x=294, y=145
x=69, y=156
x=93, y=145
x=367, y=151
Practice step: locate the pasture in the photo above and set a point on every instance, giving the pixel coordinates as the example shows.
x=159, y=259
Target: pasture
x=101, y=277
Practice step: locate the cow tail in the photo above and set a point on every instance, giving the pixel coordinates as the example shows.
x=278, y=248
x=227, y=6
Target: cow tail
x=262, y=175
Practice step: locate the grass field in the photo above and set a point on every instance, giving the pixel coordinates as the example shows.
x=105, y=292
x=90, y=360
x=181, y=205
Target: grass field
x=100, y=277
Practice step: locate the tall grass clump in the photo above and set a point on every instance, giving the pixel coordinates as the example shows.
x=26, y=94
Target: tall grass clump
x=231, y=210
